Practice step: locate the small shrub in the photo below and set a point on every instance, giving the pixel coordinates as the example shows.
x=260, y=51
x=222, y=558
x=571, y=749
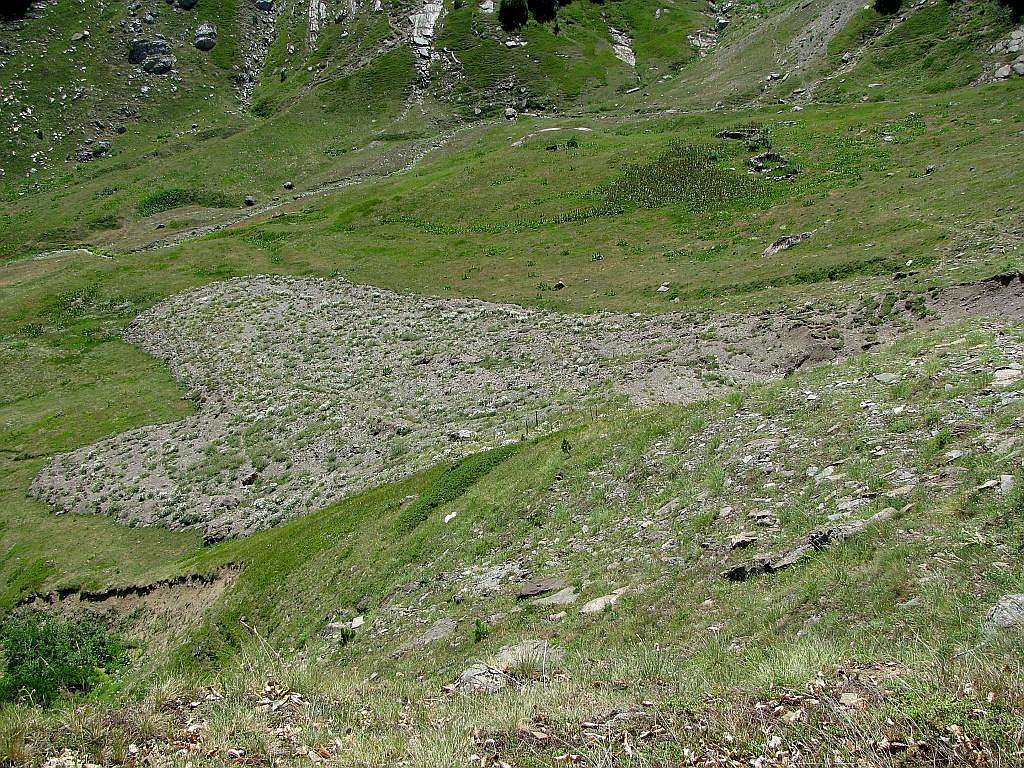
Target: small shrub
x=264, y=107
x=542, y=10
x=45, y=657
x=480, y=631
x=167, y=199
x=1016, y=7
x=452, y=484
x=513, y=14
x=14, y=9
x=109, y=221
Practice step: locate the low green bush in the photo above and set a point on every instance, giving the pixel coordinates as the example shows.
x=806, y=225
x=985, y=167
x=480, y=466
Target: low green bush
x=452, y=484
x=168, y=199
x=1016, y=7
x=513, y=14
x=44, y=657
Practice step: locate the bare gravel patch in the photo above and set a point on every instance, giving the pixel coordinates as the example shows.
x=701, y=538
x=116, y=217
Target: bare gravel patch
x=311, y=390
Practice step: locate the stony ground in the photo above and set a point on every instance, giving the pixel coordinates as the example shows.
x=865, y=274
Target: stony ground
x=758, y=489
x=311, y=390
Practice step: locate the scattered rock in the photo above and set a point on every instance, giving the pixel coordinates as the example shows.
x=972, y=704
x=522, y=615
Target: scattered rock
x=338, y=632
x=250, y=200
x=599, y=604
x=1004, y=377
x=439, y=630
x=566, y=596
x=816, y=540
x=1007, y=612
x=539, y=653
x=153, y=54
x=481, y=678
x=777, y=166
x=540, y=586
x=753, y=135
x=742, y=540
x=785, y=243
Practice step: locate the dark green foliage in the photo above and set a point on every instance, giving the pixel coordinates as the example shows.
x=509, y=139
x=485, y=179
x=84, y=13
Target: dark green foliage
x=167, y=199
x=452, y=484
x=513, y=14
x=1016, y=7
x=685, y=174
x=542, y=10
x=45, y=656
x=264, y=107
x=888, y=6
x=480, y=631
x=109, y=221
x=14, y=9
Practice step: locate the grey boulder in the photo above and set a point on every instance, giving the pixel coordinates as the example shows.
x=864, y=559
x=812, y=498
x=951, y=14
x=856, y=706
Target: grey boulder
x=1006, y=613
x=206, y=36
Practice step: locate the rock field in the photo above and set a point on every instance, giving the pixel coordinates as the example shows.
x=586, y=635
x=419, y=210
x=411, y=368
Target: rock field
x=311, y=390
x=800, y=471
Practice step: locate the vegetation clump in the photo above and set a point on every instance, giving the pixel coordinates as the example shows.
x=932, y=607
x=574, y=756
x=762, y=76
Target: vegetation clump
x=1016, y=7
x=686, y=174
x=45, y=657
x=168, y=199
x=452, y=484
x=513, y=14
x=14, y=9
x=543, y=10
x=888, y=6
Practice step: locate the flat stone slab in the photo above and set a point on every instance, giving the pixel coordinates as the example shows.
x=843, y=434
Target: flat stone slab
x=540, y=586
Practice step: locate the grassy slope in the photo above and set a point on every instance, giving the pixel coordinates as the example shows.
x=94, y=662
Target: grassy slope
x=908, y=594
x=68, y=311
x=504, y=236
x=488, y=231
x=535, y=502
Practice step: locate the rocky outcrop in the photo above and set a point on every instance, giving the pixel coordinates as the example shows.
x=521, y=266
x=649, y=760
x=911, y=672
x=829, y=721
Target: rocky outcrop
x=816, y=540
x=423, y=22
x=1007, y=613
x=622, y=46
x=317, y=20
x=786, y=242
x=152, y=54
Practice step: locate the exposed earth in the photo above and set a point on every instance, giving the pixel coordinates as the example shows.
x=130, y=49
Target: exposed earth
x=310, y=391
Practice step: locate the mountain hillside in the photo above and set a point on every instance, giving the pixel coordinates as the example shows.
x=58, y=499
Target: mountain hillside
x=511, y=383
